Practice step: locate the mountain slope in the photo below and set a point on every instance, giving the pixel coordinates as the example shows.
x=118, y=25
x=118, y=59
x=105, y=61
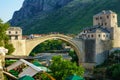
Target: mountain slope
x=68, y=17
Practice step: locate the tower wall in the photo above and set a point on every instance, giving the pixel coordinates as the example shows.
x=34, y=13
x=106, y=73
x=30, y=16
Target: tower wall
x=116, y=37
x=96, y=51
x=90, y=51
x=101, y=50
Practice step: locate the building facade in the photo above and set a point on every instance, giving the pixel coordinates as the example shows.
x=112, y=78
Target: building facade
x=14, y=33
x=101, y=37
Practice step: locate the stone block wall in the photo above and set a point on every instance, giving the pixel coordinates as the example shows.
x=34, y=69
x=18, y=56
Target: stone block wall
x=96, y=51
x=89, y=51
x=20, y=47
x=102, y=50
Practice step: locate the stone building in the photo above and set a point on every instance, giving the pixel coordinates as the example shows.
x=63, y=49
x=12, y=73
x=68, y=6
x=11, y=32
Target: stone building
x=95, y=32
x=15, y=33
x=101, y=37
x=105, y=21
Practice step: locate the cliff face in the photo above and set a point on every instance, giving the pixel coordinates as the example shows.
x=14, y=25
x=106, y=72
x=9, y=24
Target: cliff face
x=31, y=8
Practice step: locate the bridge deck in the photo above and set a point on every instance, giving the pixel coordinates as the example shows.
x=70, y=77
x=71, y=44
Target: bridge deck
x=19, y=57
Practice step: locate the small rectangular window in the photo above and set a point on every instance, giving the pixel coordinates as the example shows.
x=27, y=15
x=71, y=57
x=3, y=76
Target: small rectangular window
x=92, y=36
x=99, y=35
x=103, y=35
x=88, y=36
x=113, y=16
x=16, y=37
x=16, y=32
x=102, y=24
x=106, y=35
x=9, y=32
x=98, y=23
x=10, y=37
x=105, y=24
x=97, y=18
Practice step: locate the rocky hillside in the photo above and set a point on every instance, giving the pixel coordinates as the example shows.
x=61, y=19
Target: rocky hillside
x=65, y=16
x=32, y=8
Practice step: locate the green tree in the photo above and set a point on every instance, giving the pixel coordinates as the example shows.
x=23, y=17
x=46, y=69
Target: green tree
x=4, y=39
x=73, y=54
x=110, y=68
x=63, y=68
x=114, y=71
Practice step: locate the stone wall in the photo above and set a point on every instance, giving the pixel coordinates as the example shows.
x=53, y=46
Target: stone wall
x=20, y=47
x=96, y=51
x=116, y=39
x=102, y=50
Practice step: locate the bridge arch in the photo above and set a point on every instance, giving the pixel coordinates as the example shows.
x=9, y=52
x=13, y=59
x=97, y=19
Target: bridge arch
x=32, y=43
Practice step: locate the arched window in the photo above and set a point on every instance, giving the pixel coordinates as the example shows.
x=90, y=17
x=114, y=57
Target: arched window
x=97, y=18
x=105, y=24
x=92, y=36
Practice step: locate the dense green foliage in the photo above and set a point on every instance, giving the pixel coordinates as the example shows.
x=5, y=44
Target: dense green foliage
x=63, y=68
x=74, y=56
x=111, y=67
x=4, y=39
x=46, y=46
x=14, y=72
x=113, y=71
x=9, y=62
x=71, y=18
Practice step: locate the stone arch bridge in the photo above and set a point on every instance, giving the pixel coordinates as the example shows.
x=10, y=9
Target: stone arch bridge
x=24, y=47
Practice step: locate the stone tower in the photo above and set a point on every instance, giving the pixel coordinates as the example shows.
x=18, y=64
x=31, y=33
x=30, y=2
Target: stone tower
x=107, y=19
x=14, y=33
